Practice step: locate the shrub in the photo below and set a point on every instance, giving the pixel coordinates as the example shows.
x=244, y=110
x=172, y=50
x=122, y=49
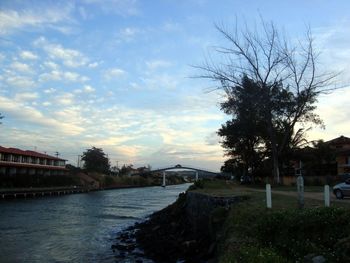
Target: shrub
x=254, y=254
x=296, y=233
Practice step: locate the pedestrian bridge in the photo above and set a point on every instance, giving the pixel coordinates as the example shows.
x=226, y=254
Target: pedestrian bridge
x=199, y=172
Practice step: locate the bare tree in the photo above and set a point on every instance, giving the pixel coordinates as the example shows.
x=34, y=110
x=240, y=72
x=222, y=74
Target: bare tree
x=269, y=59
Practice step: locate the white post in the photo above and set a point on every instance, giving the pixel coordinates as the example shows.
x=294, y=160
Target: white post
x=300, y=187
x=163, y=179
x=268, y=196
x=326, y=196
x=196, y=175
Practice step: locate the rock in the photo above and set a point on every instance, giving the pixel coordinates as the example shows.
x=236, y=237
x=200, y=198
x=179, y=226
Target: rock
x=318, y=259
x=124, y=247
x=211, y=249
x=313, y=258
x=155, y=228
x=189, y=243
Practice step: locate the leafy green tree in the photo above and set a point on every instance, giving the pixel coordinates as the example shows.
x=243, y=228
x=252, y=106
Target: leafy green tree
x=95, y=160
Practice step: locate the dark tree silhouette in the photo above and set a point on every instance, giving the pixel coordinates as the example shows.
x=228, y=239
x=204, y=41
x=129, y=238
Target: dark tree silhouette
x=95, y=160
x=243, y=135
x=267, y=58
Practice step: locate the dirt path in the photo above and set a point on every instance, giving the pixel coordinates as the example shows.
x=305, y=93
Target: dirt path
x=310, y=195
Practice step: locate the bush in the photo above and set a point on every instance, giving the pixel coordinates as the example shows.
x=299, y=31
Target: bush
x=297, y=233
x=254, y=254
x=197, y=185
x=260, y=235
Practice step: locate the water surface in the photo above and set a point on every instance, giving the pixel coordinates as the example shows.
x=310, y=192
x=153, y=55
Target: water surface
x=75, y=228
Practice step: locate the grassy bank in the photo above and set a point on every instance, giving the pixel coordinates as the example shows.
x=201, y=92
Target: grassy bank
x=249, y=232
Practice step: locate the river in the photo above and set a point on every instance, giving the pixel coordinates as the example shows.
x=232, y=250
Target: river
x=75, y=228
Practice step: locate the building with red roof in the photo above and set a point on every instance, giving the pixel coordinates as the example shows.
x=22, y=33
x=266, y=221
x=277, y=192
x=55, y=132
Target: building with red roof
x=15, y=161
x=341, y=145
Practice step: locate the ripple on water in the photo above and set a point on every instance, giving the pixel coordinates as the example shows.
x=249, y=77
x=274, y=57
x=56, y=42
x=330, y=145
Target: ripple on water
x=75, y=228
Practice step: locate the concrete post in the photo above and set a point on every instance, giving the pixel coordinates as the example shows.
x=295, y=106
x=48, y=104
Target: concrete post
x=268, y=196
x=326, y=196
x=164, y=184
x=300, y=186
x=196, y=175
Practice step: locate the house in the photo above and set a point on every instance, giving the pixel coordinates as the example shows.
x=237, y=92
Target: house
x=341, y=146
x=14, y=161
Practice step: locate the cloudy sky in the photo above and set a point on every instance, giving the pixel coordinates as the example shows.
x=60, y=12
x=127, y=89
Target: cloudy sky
x=117, y=74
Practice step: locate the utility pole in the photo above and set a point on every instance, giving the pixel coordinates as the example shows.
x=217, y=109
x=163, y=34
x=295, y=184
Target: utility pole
x=57, y=154
x=79, y=161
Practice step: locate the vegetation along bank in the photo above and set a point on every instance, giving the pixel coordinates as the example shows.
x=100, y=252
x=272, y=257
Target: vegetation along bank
x=218, y=221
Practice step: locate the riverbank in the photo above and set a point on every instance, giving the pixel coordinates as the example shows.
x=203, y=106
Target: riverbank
x=34, y=192
x=217, y=221
x=167, y=236
x=185, y=231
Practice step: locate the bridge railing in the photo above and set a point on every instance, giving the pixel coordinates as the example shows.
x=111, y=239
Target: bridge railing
x=184, y=167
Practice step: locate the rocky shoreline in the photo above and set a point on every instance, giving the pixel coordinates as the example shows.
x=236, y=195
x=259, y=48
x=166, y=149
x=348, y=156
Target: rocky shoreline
x=172, y=234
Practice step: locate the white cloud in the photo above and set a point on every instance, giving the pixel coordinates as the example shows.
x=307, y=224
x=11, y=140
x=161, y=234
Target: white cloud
x=128, y=33
x=19, y=81
x=65, y=99
x=156, y=64
x=171, y=27
x=22, y=67
x=93, y=65
x=114, y=73
x=69, y=57
x=88, y=89
x=2, y=57
x=11, y=20
x=120, y=7
x=27, y=55
x=54, y=75
x=30, y=115
x=334, y=111
x=26, y=96
x=50, y=90
x=51, y=65
x=160, y=81
x=66, y=76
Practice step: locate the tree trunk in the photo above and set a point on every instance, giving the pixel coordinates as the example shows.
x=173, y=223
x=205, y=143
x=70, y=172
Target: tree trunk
x=276, y=169
x=273, y=141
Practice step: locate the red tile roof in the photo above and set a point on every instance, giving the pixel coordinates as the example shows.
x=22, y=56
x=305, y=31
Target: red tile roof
x=339, y=140
x=30, y=165
x=28, y=153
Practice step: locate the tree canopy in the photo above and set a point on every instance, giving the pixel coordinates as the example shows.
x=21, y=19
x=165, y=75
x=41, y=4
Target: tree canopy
x=286, y=79
x=95, y=160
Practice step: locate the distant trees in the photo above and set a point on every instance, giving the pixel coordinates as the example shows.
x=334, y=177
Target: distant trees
x=286, y=80
x=126, y=169
x=320, y=159
x=95, y=160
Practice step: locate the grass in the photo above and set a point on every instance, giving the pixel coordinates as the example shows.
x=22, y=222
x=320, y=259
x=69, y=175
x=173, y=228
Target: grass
x=257, y=196
x=252, y=233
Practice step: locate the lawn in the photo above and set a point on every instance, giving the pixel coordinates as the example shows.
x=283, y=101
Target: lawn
x=249, y=232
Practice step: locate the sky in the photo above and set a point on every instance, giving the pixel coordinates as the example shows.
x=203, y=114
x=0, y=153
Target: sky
x=120, y=75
